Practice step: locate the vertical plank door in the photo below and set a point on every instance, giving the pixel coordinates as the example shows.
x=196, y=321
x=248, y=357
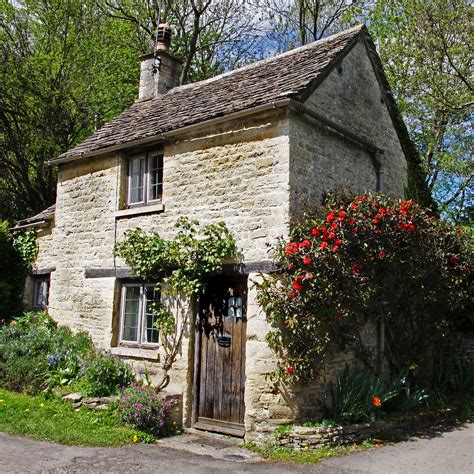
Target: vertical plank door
x=221, y=368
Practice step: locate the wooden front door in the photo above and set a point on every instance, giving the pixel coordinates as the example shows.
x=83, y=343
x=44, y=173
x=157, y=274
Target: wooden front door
x=221, y=362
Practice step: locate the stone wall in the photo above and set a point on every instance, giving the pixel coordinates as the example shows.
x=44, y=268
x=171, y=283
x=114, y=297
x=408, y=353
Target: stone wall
x=322, y=160
x=238, y=174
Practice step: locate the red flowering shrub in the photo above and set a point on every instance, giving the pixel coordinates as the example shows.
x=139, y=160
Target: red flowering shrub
x=360, y=259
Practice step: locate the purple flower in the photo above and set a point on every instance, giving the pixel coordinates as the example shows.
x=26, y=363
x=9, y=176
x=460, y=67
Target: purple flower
x=51, y=359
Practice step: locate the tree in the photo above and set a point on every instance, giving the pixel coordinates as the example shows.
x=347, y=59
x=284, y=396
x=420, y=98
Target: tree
x=426, y=50
x=209, y=36
x=298, y=22
x=62, y=73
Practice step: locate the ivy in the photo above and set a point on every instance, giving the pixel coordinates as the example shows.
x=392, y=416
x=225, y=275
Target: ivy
x=26, y=245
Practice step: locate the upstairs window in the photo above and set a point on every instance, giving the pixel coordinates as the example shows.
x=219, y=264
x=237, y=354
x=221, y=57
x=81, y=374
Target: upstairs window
x=137, y=320
x=145, y=179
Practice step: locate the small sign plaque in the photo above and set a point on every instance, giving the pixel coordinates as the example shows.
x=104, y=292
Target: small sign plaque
x=224, y=341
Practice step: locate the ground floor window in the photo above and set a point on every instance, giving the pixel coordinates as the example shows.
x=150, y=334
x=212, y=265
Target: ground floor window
x=137, y=320
x=40, y=292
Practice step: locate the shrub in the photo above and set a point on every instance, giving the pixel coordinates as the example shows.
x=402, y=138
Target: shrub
x=103, y=374
x=144, y=408
x=36, y=355
x=366, y=261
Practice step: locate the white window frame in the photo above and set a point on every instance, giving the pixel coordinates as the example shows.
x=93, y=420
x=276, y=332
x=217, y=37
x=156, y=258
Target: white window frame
x=140, y=342
x=38, y=282
x=146, y=179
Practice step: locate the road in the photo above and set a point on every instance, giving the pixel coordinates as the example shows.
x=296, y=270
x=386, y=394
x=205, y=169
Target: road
x=450, y=452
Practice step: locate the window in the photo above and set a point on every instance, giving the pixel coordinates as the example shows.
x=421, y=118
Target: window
x=145, y=179
x=137, y=322
x=40, y=292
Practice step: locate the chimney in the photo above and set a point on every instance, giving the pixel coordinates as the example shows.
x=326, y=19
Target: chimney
x=159, y=71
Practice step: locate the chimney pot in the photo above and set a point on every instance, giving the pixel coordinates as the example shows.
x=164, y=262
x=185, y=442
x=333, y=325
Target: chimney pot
x=163, y=37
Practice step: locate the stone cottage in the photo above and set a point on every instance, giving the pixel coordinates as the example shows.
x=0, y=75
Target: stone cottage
x=245, y=147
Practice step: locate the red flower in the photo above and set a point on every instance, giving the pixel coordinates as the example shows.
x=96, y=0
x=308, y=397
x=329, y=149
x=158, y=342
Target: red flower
x=307, y=260
x=332, y=235
x=356, y=268
x=290, y=266
x=323, y=245
x=297, y=286
x=411, y=227
x=290, y=369
x=315, y=232
x=308, y=276
x=333, y=226
x=453, y=259
x=342, y=214
x=354, y=206
x=323, y=229
x=291, y=248
x=305, y=243
x=292, y=295
x=330, y=217
x=334, y=248
x=377, y=402
x=338, y=242
x=375, y=221
x=381, y=254
x=378, y=232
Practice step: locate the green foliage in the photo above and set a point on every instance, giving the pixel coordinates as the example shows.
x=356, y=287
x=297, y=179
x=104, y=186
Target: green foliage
x=453, y=379
x=144, y=407
x=12, y=274
x=103, y=375
x=426, y=51
x=37, y=355
x=53, y=420
x=25, y=244
x=359, y=261
x=186, y=262
x=360, y=395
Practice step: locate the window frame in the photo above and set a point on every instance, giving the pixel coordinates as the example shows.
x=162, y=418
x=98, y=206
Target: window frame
x=141, y=328
x=37, y=281
x=146, y=177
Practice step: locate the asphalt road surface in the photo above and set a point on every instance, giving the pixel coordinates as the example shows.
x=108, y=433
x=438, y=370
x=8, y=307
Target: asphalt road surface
x=449, y=452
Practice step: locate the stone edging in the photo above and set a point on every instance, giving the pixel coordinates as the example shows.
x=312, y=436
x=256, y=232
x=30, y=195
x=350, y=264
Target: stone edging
x=301, y=437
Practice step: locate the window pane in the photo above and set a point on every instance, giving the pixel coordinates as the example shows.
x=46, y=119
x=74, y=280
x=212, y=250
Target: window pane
x=151, y=332
x=131, y=314
x=155, y=173
x=41, y=293
x=137, y=170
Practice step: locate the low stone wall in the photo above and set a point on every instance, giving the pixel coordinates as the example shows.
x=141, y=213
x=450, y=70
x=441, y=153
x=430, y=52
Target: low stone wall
x=102, y=403
x=301, y=437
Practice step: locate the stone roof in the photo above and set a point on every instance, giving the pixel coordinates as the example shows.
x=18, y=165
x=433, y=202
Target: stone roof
x=43, y=216
x=285, y=76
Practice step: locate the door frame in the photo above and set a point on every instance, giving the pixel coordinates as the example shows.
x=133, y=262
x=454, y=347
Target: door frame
x=225, y=428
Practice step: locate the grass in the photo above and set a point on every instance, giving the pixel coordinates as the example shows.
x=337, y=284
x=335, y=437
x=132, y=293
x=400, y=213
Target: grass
x=278, y=453
x=54, y=420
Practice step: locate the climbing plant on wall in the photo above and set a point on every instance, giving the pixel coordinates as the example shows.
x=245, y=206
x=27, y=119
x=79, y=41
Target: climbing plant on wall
x=365, y=262
x=179, y=267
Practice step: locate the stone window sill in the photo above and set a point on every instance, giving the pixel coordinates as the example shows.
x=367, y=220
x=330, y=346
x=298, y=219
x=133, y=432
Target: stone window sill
x=136, y=352
x=138, y=211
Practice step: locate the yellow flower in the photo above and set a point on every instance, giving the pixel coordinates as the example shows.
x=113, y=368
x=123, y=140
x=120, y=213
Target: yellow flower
x=2, y=401
x=135, y=438
x=306, y=447
x=27, y=409
x=42, y=405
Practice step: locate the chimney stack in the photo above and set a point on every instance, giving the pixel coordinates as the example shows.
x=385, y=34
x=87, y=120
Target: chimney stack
x=159, y=71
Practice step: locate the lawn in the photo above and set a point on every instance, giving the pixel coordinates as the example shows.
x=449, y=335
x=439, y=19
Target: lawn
x=54, y=420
